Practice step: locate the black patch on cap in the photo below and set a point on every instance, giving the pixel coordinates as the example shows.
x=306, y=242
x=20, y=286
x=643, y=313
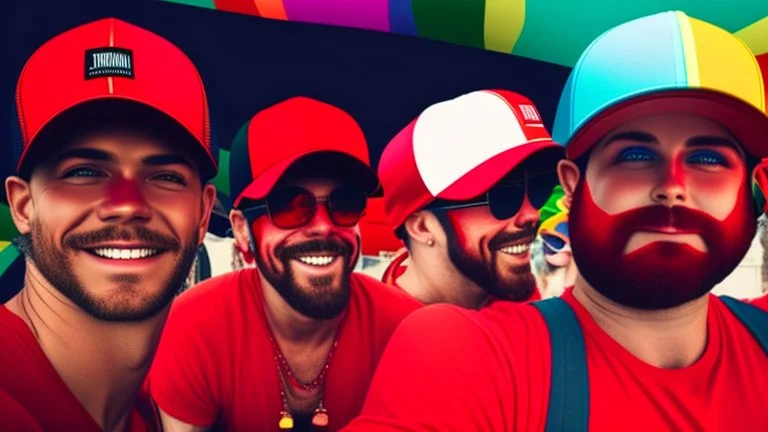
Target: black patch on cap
x=108, y=62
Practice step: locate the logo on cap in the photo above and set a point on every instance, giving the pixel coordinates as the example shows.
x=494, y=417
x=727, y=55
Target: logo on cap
x=529, y=113
x=108, y=62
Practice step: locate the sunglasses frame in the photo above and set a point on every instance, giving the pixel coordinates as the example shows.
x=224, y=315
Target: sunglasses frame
x=254, y=212
x=487, y=195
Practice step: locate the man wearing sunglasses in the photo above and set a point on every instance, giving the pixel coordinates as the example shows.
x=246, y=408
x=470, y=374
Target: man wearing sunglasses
x=293, y=343
x=463, y=184
x=664, y=120
x=112, y=200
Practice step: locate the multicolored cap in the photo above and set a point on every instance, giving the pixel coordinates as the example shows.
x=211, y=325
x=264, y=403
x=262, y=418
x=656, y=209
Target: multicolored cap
x=663, y=63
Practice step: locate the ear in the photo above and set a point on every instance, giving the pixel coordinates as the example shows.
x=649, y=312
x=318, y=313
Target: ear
x=209, y=200
x=241, y=231
x=569, y=174
x=760, y=177
x=419, y=229
x=19, y=195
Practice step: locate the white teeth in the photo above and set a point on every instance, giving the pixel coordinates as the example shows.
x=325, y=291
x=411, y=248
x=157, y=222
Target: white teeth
x=515, y=250
x=317, y=260
x=124, y=254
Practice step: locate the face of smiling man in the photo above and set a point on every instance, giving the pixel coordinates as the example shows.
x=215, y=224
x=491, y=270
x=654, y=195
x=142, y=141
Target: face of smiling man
x=113, y=220
x=664, y=212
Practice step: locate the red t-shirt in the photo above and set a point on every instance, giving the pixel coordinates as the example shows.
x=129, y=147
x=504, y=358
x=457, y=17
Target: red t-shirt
x=397, y=268
x=31, y=388
x=489, y=370
x=215, y=363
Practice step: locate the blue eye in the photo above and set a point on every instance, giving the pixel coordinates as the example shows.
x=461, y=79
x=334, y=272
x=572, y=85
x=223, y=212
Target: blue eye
x=708, y=157
x=83, y=172
x=636, y=154
x=172, y=178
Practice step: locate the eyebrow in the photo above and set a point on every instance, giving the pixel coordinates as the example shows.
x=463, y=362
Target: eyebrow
x=697, y=141
x=102, y=156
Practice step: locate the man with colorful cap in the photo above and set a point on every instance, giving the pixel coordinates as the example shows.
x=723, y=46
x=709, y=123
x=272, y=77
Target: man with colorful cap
x=112, y=201
x=663, y=121
x=292, y=344
x=463, y=184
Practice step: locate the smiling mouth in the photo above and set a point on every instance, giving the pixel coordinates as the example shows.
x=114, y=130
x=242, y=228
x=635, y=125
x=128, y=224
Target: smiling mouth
x=317, y=260
x=124, y=253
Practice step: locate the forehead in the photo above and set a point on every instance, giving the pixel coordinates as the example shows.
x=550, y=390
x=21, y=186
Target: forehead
x=318, y=185
x=123, y=145
x=670, y=129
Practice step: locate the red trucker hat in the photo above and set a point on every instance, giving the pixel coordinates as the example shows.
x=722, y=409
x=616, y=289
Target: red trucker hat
x=110, y=59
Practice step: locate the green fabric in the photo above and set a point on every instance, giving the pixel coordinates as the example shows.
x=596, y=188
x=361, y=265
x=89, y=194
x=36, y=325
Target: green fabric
x=7, y=227
x=550, y=207
x=210, y=4
x=454, y=21
x=221, y=181
x=7, y=257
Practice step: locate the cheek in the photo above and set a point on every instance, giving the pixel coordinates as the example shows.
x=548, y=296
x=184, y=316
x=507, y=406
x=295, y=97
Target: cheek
x=618, y=193
x=715, y=195
x=473, y=225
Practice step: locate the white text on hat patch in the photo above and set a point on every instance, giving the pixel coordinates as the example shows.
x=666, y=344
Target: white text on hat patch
x=108, y=62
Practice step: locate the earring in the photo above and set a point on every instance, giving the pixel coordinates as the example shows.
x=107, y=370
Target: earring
x=430, y=242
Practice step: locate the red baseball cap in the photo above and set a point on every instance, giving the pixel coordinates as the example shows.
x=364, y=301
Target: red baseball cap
x=296, y=128
x=110, y=59
x=458, y=149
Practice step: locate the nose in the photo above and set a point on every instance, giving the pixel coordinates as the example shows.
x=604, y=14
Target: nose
x=528, y=215
x=321, y=224
x=670, y=189
x=124, y=202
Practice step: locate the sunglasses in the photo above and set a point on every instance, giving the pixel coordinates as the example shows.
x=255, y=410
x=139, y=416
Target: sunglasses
x=293, y=207
x=506, y=198
x=554, y=243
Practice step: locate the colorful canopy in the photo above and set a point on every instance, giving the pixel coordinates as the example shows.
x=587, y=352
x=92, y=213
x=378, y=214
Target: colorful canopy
x=556, y=31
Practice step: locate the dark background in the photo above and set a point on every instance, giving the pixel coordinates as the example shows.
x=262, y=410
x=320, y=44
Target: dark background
x=248, y=63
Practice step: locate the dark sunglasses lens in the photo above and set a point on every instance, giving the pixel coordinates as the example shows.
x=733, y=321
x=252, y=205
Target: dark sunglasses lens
x=540, y=188
x=505, y=200
x=290, y=207
x=555, y=243
x=346, y=205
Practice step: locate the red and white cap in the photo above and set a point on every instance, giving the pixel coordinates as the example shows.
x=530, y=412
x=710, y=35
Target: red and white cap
x=458, y=149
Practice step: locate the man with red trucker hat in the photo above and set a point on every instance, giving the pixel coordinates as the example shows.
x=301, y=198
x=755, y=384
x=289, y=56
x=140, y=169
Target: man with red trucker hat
x=294, y=342
x=112, y=200
x=663, y=119
x=463, y=184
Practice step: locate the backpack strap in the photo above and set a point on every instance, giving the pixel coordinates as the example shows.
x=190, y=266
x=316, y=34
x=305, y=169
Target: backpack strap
x=568, y=409
x=752, y=317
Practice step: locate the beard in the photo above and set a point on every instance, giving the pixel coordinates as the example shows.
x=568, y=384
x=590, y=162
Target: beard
x=516, y=284
x=659, y=275
x=57, y=268
x=320, y=298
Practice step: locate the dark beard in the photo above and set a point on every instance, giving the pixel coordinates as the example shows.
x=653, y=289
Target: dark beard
x=54, y=264
x=486, y=274
x=660, y=275
x=320, y=300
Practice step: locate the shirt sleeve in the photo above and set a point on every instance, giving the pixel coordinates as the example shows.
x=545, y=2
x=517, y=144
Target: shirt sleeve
x=182, y=373
x=440, y=372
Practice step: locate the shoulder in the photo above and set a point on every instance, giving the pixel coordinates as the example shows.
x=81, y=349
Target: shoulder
x=213, y=294
x=385, y=298
x=760, y=302
x=11, y=411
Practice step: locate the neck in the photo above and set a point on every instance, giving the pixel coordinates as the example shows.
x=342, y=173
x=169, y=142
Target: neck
x=669, y=338
x=290, y=326
x=102, y=363
x=432, y=282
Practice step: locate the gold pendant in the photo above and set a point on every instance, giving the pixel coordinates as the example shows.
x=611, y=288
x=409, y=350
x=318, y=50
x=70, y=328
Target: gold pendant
x=286, y=421
x=320, y=419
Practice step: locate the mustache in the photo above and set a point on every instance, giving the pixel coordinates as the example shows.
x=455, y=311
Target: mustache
x=314, y=246
x=659, y=217
x=88, y=240
x=529, y=231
